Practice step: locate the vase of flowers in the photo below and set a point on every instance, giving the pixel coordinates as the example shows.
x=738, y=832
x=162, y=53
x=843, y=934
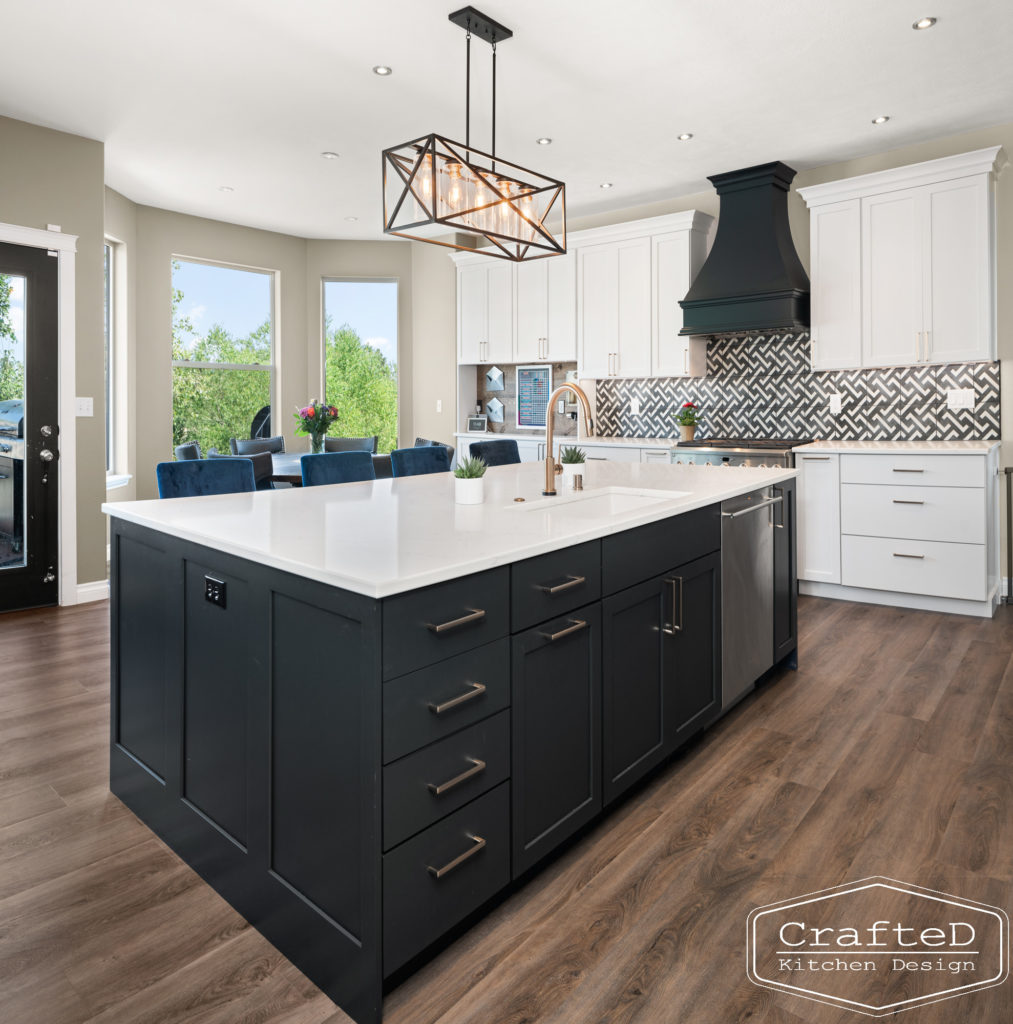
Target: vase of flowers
x=572, y=460
x=687, y=417
x=313, y=421
x=469, y=487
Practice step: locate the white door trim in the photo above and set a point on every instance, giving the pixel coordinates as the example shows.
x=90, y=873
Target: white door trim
x=66, y=247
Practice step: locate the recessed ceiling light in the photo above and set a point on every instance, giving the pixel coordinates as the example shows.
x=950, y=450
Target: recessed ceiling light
x=605, y=184
x=685, y=137
x=382, y=69
x=882, y=119
x=544, y=141
x=226, y=188
x=924, y=23
x=329, y=155
x=351, y=218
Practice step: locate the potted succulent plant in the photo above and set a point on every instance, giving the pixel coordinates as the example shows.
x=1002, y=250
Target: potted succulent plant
x=687, y=417
x=572, y=460
x=469, y=486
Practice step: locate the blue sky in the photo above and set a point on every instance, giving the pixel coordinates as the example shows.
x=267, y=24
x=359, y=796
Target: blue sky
x=240, y=300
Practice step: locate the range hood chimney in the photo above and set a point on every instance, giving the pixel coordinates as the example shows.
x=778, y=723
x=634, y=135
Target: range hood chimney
x=752, y=281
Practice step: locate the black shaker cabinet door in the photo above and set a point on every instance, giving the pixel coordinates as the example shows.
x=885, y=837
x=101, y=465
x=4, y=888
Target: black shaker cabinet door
x=556, y=732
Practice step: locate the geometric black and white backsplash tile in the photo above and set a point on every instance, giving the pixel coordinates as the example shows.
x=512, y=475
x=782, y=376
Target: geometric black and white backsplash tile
x=763, y=386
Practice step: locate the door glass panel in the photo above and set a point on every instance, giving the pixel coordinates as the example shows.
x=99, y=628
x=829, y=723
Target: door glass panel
x=12, y=406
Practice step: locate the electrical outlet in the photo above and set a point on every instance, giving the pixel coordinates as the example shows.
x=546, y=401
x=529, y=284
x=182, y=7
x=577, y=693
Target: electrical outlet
x=960, y=398
x=214, y=591
x=634, y=406
x=835, y=404
x=84, y=407
x=561, y=407
x=439, y=405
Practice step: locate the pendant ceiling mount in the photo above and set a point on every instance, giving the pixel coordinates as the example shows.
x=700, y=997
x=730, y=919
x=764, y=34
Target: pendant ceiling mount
x=433, y=185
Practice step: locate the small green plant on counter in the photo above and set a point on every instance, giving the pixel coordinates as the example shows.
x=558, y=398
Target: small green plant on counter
x=470, y=469
x=572, y=456
x=688, y=415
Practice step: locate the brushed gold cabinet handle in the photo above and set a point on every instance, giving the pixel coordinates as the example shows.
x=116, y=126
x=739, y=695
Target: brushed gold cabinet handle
x=477, y=689
x=898, y=554
x=474, y=615
x=459, y=860
x=438, y=789
x=673, y=628
x=576, y=625
x=907, y=501
x=571, y=582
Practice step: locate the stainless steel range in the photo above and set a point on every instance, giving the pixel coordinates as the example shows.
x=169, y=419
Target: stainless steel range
x=722, y=451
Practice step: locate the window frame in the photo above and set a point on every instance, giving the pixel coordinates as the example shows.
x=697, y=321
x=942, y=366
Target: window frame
x=110, y=339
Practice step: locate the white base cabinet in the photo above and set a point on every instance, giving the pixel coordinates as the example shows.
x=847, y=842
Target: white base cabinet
x=819, y=518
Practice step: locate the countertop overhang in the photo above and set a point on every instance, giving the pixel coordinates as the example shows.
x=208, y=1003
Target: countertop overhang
x=385, y=537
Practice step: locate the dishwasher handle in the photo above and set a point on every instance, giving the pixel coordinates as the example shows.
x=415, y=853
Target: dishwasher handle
x=753, y=508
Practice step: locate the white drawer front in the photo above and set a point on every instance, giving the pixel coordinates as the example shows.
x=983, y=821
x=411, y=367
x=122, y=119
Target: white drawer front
x=916, y=513
x=612, y=453
x=914, y=470
x=931, y=567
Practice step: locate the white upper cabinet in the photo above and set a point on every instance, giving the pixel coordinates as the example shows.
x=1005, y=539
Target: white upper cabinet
x=485, y=309
x=903, y=264
x=676, y=257
x=546, y=311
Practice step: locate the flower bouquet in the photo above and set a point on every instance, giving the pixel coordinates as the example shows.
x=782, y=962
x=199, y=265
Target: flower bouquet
x=313, y=420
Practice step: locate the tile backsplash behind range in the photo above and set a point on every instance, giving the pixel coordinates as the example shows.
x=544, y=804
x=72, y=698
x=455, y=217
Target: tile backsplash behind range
x=763, y=386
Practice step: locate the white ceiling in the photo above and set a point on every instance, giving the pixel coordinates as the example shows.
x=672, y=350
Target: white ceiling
x=195, y=94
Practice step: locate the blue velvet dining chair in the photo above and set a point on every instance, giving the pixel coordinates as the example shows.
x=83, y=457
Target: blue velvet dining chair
x=253, y=445
x=351, y=444
x=186, y=452
x=263, y=467
x=336, y=468
x=204, y=476
x=495, y=453
x=419, y=461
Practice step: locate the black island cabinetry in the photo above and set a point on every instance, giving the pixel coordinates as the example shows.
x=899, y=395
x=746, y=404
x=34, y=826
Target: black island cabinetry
x=356, y=776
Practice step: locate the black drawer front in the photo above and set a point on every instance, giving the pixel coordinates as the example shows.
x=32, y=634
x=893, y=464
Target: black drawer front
x=423, y=707
x=429, y=784
x=418, y=907
x=425, y=626
x=637, y=555
x=554, y=584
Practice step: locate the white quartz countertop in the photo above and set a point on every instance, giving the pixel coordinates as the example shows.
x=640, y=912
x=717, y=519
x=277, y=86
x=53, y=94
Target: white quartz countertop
x=388, y=536
x=539, y=435
x=900, y=447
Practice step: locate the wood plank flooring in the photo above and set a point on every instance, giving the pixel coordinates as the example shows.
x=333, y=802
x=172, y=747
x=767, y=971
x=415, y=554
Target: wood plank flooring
x=889, y=752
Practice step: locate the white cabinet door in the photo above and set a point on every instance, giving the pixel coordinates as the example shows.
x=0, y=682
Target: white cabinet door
x=597, y=309
x=530, y=451
x=835, y=235
x=892, y=278
x=673, y=269
x=561, y=332
x=501, y=313
x=957, y=317
x=472, y=313
x=819, y=517
x=633, y=358
x=532, y=310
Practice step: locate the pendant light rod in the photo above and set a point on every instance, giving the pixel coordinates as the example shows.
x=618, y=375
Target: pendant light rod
x=467, y=89
x=493, y=150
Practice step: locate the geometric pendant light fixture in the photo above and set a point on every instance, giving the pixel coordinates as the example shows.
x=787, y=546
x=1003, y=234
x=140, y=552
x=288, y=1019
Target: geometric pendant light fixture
x=433, y=185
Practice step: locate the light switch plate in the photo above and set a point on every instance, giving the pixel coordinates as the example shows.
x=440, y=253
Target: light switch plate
x=84, y=407
x=960, y=398
x=634, y=406
x=439, y=405
x=835, y=405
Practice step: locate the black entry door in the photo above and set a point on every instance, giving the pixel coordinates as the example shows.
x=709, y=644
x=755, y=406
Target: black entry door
x=29, y=448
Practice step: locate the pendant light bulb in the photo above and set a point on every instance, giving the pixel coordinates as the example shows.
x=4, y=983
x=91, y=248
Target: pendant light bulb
x=455, y=193
x=427, y=177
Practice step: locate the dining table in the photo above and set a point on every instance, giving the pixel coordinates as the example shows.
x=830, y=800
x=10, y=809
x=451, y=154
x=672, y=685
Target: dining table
x=286, y=467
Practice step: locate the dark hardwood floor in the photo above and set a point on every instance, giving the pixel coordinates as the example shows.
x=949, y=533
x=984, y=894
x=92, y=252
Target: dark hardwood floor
x=889, y=752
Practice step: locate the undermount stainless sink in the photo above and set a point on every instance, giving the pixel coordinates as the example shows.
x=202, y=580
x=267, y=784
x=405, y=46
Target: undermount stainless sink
x=599, y=502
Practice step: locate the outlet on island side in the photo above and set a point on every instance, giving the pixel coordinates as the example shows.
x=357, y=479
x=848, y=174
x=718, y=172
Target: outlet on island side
x=214, y=591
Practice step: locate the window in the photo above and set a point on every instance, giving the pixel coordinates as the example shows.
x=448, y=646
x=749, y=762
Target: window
x=108, y=319
x=222, y=351
x=360, y=358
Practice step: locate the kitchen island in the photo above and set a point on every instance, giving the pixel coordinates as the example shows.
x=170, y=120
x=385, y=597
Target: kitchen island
x=362, y=712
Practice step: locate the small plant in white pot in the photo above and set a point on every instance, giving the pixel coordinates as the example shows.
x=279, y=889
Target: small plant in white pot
x=572, y=461
x=469, y=486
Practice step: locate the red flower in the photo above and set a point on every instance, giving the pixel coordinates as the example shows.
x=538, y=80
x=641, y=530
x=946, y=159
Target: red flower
x=688, y=405
x=310, y=412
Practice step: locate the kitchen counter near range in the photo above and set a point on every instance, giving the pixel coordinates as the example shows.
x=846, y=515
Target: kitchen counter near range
x=899, y=447
x=385, y=537
x=574, y=439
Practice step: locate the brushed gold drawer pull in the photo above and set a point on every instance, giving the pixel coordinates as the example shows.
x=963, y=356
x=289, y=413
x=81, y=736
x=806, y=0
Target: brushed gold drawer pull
x=459, y=860
x=898, y=554
x=477, y=689
x=571, y=582
x=909, y=470
x=907, y=501
x=477, y=767
x=474, y=615
x=576, y=625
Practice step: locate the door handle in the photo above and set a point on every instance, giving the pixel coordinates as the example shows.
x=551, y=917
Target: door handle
x=909, y=470
x=898, y=554
x=815, y=458
x=907, y=501
x=571, y=582
x=685, y=361
x=779, y=491
x=459, y=860
x=752, y=508
x=477, y=689
x=474, y=615
x=46, y=455
x=477, y=767
x=673, y=628
x=576, y=625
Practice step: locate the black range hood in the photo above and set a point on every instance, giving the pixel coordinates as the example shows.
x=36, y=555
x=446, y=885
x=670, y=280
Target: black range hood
x=752, y=281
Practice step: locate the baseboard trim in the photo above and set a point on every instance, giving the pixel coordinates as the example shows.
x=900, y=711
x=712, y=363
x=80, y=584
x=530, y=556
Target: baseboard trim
x=97, y=590
x=920, y=602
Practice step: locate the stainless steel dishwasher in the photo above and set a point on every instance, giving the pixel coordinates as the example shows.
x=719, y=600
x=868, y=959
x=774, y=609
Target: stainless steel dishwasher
x=747, y=591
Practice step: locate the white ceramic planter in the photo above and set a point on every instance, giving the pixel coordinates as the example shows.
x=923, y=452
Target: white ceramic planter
x=469, y=491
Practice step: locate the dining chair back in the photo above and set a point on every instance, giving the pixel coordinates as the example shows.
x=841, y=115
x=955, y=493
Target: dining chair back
x=263, y=467
x=194, y=477
x=351, y=444
x=419, y=461
x=336, y=468
x=185, y=452
x=496, y=453
x=252, y=445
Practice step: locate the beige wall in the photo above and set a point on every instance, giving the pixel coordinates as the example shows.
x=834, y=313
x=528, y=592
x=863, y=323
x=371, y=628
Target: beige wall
x=49, y=177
